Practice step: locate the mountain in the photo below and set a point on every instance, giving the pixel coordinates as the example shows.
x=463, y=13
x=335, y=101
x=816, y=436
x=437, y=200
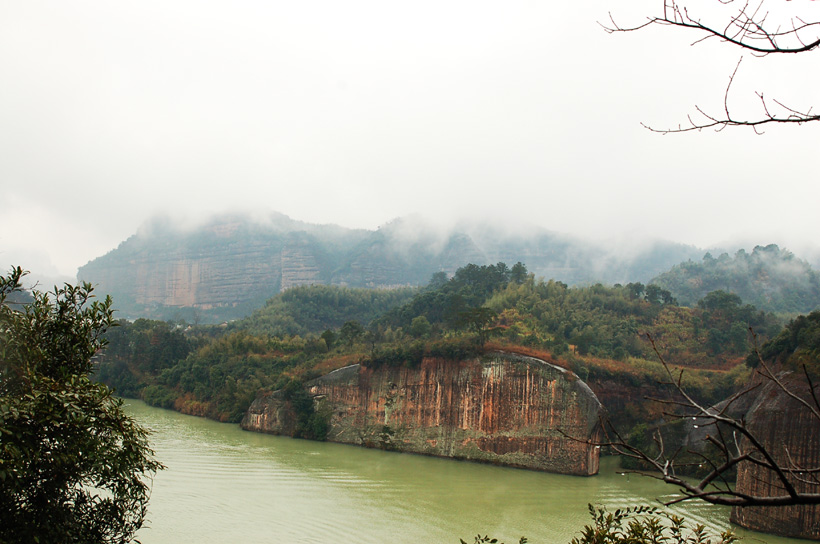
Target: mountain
x=769, y=277
x=228, y=266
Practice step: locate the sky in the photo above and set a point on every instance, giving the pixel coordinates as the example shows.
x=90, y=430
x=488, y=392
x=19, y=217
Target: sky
x=359, y=112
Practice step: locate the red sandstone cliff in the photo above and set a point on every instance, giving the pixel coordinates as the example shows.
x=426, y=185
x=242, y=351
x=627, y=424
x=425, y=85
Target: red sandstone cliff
x=792, y=434
x=506, y=409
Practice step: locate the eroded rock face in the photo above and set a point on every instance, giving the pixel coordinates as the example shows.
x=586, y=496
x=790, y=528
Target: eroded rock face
x=231, y=264
x=502, y=408
x=791, y=433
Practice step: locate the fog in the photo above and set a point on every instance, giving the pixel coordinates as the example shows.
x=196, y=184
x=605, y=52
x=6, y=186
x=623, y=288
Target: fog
x=356, y=113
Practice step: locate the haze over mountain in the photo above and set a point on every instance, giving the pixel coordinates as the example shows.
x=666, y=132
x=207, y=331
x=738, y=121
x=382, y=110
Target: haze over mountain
x=232, y=263
x=360, y=112
x=769, y=277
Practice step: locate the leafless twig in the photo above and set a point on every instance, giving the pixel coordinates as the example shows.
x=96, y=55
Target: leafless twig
x=736, y=444
x=749, y=30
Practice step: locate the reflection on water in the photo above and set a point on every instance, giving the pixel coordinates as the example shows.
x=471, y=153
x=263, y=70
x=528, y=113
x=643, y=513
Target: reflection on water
x=225, y=485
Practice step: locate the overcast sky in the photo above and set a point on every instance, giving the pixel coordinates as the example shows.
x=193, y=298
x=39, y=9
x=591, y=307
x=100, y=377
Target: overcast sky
x=358, y=112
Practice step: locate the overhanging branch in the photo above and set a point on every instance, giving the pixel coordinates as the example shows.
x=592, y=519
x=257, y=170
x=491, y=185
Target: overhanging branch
x=749, y=30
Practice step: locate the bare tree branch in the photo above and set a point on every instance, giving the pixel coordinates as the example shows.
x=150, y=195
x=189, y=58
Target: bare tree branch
x=735, y=442
x=749, y=30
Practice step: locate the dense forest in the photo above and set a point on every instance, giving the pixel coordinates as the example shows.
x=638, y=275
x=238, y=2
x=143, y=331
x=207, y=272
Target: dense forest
x=316, y=308
x=796, y=347
x=600, y=332
x=769, y=277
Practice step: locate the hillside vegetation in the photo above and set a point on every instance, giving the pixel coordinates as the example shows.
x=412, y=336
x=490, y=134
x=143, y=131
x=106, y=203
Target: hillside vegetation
x=769, y=277
x=598, y=331
x=316, y=308
x=226, y=267
x=797, y=345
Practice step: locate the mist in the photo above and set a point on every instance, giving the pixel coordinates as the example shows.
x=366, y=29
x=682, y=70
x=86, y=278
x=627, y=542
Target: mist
x=527, y=115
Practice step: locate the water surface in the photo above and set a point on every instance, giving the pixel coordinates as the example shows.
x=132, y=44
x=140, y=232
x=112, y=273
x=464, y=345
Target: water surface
x=225, y=485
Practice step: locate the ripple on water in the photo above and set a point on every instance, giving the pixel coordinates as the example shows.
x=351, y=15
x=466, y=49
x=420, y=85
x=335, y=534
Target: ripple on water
x=224, y=485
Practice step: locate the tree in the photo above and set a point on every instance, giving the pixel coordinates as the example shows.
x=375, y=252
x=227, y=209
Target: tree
x=350, y=332
x=518, y=273
x=752, y=29
x=635, y=290
x=720, y=301
x=73, y=465
x=437, y=280
x=658, y=295
x=329, y=337
x=420, y=327
x=479, y=320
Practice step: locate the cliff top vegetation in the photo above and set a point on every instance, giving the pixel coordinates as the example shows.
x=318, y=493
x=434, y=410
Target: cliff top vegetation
x=307, y=331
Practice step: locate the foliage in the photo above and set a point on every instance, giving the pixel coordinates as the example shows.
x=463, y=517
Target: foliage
x=607, y=322
x=645, y=525
x=488, y=540
x=350, y=332
x=727, y=321
x=141, y=348
x=316, y=308
x=73, y=466
x=637, y=525
x=222, y=378
x=596, y=320
x=770, y=278
x=479, y=320
x=410, y=354
x=420, y=327
x=211, y=372
x=311, y=423
x=218, y=376
x=216, y=372
x=444, y=303
x=797, y=344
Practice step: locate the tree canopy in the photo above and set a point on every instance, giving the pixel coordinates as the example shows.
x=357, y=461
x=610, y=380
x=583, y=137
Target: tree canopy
x=769, y=277
x=73, y=465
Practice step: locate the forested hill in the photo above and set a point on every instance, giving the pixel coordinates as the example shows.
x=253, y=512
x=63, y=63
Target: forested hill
x=228, y=266
x=797, y=346
x=770, y=278
x=597, y=331
x=312, y=309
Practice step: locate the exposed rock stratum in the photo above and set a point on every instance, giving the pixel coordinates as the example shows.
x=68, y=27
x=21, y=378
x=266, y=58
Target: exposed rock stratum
x=500, y=408
x=228, y=266
x=791, y=433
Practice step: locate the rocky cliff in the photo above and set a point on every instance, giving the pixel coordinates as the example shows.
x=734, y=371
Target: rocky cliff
x=221, y=270
x=231, y=264
x=790, y=432
x=501, y=408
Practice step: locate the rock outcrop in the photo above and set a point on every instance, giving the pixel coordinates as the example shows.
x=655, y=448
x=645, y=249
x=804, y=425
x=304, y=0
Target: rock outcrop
x=229, y=266
x=223, y=270
x=501, y=408
x=791, y=433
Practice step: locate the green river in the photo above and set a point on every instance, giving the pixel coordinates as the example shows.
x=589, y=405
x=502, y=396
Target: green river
x=226, y=485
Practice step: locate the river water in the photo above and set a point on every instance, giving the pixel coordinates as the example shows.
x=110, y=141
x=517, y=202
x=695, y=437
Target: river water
x=226, y=485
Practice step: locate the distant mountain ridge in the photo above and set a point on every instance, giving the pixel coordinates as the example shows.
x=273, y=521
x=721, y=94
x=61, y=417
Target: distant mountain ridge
x=231, y=264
